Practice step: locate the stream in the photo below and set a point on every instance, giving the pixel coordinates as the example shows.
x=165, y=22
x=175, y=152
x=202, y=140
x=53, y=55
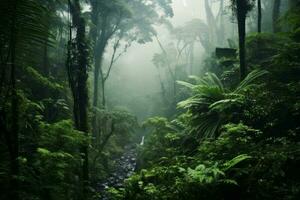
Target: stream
x=125, y=167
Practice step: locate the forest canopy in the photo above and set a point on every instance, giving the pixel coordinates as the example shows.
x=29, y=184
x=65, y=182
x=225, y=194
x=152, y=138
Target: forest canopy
x=149, y=99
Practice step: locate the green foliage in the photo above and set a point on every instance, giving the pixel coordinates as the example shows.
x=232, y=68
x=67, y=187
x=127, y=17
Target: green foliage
x=50, y=170
x=255, y=124
x=228, y=140
x=177, y=181
x=212, y=105
x=118, y=128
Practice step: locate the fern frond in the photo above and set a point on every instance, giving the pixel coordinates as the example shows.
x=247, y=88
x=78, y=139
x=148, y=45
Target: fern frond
x=186, y=84
x=251, y=77
x=233, y=162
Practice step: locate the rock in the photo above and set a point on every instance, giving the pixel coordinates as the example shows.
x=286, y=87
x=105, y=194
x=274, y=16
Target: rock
x=125, y=166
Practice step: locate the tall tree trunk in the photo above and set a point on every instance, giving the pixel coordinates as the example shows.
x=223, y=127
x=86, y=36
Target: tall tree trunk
x=293, y=3
x=80, y=91
x=221, y=31
x=191, y=58
x=96, y=80
x=99, y=53
x=95, y=97
x=103, y=91
x=98, y=57
x=259, y=16
x=241, y=17
x=14, y=129
x=211, y=23
x=276, y=15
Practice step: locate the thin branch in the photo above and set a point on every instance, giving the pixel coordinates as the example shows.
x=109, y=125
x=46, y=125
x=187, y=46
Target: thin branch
x=112, y=59
x=166, y=54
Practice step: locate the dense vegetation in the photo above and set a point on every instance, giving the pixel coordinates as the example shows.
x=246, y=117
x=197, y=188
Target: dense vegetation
x=225, y=120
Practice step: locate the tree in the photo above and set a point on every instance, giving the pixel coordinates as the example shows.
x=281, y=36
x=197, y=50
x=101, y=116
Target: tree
x=276, y=15
x=14, y=132
x=22, y=24
x=77, y=66
x=114, y=20
x=215, y=23
x=241, y=8
x=106, y=18
x=293, y=3
x=259, y=16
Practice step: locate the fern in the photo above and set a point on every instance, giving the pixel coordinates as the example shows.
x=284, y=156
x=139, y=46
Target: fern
x=236, y=160
x=254, y=75
x=211, y=104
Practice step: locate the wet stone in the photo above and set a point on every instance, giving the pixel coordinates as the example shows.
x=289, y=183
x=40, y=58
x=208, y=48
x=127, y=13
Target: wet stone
x=125, y=167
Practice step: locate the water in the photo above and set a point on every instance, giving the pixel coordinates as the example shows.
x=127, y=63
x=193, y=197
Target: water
x=125, y=167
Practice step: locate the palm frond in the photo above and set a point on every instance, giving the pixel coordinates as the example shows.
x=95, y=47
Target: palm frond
x=186, y=84
x=31, y=21
x=236, y=160
x=252, y=76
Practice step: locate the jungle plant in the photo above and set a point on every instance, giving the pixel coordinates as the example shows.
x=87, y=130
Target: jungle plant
x=213, y=105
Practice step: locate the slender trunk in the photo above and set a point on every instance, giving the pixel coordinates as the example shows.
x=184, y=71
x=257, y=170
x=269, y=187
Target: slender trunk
x=172, y=74
x=95, y=97
x=211, y=23
x=222, y=30
x=192, y=48
x=99, y=53
x=14, y=132
x=96, y=80
x=259, y=16
x=241, y=17
x=2, y=76
x=276, y=15
x=293, y=3
x=99, y=49
x=103, y=91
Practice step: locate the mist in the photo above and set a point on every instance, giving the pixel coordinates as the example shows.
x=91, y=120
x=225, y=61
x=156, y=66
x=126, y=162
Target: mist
x=134, y=83
x=149, y=99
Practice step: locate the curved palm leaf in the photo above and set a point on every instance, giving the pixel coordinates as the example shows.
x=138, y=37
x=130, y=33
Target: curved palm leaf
x=211, y=104
x=248, y=81
x=30, y=19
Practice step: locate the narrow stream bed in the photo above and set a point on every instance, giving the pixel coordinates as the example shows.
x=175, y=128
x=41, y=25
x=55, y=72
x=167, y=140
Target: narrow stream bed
x=125, y=166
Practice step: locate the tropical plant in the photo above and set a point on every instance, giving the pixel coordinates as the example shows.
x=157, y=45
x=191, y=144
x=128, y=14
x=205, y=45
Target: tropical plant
x=213, y=105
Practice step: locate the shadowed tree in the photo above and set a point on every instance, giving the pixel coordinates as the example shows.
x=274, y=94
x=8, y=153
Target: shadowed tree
x=241, y=8
x=276, y=15
x=22, y=24
x=77, y=66
x=113, y=20
x=259, y=16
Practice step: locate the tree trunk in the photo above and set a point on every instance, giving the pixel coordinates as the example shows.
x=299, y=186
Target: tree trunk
x=96, y=81
x=276, y=15
x=241, y=17
x=99, y=53
x=211, y=23
x=191, y=58
x=293, y=3
x=259, y=16
x=103, y=91
x=14, y=129
x=99, y=49
x=98, y=57
x=221, y=30
x=80, y=91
